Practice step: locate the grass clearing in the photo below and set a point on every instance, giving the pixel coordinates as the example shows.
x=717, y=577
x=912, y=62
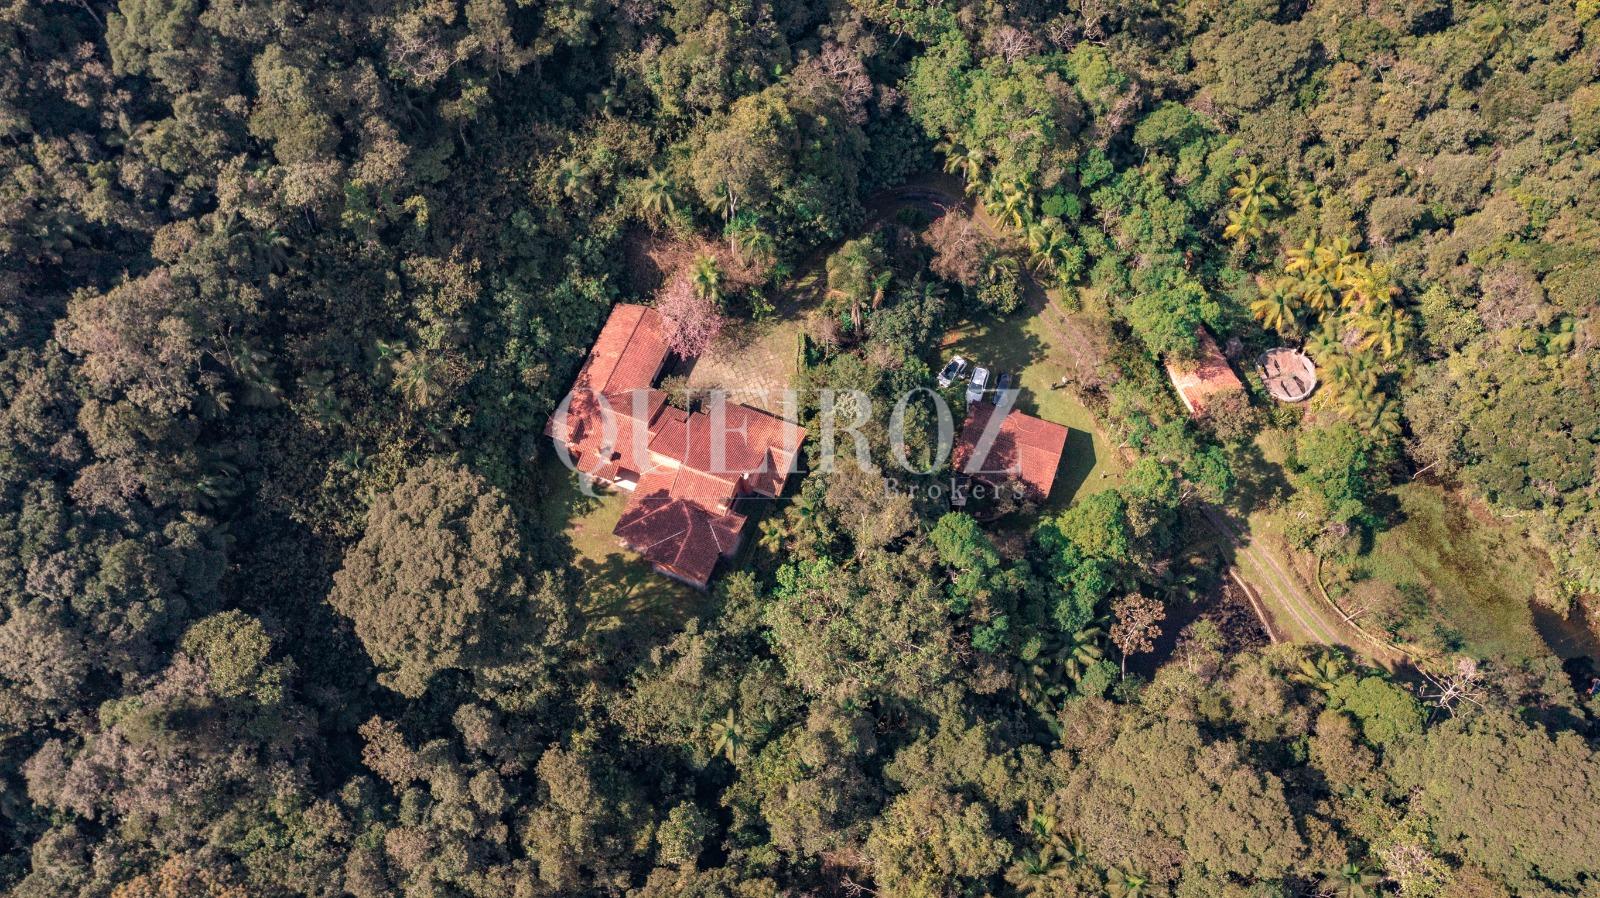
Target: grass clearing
x=1470, y=577
x=621, y=589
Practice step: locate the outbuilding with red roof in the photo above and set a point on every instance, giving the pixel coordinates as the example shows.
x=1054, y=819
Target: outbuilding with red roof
x=1017, y=448
x=1204, y=380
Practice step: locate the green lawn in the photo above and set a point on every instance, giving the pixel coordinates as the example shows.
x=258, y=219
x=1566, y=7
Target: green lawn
x=1026, y=345
x=621, y=588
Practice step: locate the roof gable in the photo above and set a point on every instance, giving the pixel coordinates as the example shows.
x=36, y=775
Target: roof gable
x=680, y=515
x=1200, y=382
x=675, y=532
x=1025, y=448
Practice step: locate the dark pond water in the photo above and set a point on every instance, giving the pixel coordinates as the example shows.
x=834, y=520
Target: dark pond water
x=1569, y=637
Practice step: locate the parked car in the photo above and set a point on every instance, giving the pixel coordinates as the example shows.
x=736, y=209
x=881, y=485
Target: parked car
x=1006, y=381
x=954, y=370
x=979, y=385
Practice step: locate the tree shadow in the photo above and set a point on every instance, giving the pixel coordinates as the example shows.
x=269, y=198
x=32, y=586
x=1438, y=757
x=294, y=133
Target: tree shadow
x=1258, y=481
x=629, y=609
x=562, y=504
x=626, y=605
x=1386, y=513
x=1001, y=344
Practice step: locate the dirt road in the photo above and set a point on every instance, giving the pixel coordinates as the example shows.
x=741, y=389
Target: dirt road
x=1287, y=610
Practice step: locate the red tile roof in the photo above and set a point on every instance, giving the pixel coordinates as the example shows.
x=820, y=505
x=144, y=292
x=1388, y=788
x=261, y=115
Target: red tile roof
x=1200, y=381
x=755, y=445
x=680, y=515
x=621, y=367
x=677, y=533
x=1024, y=448
x=628, y=353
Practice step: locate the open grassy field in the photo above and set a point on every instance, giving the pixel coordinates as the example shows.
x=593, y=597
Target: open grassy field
x=1025, y=345
x=1470, y=576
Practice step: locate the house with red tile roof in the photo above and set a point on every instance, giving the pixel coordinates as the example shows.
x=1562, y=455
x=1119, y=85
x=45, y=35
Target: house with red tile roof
x=1204, y=381
x=1017, y=448
x=684, y=471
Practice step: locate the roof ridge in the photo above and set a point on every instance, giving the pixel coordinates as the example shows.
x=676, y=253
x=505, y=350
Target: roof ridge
x=610, y=375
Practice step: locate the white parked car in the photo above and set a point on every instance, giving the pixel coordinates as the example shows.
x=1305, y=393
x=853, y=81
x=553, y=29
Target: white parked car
x=953, y=370
x=979, y=385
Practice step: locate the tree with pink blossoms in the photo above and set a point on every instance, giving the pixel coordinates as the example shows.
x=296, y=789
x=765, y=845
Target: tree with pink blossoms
x=692, y=318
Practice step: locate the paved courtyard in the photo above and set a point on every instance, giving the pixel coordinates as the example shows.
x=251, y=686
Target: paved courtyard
x=754, y=360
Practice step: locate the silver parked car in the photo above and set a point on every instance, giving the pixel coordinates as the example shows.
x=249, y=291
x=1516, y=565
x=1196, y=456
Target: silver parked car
x=953, y=370
x=979, y=385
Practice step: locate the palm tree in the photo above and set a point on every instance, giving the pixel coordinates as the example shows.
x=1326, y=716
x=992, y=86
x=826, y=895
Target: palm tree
x=1033, y=685
x=417, y=378
x=878, y=287
x=1253, y=190
x=1126, y=883
x=1038, y=868
x=255, y=370
x=707, y=278
x=1014, y=204
x=1374, y=412
x=963, y=161
x=1319, y=291
x=1340, y=259
x=353, y=460
x=1320, y=673
x=1077, y=652
x=773, y=535
x=1245, y=225
x=1303, y=258
x=1387, y=329
x=1041, y=823
x=656, y=195
x=1050, y=245
x=218, y=482
x=1352, y=378
x=1075, y=851
x=1324, y=344
x=804, y=510
x=1254, y=199
x=1052, y=855
x=854, y=301
x=998, y=266
x=1369, y=287
x=1351, y=881
x=270, y=253
x=755, y=245
x=573, y=179
x=724, y=201
x=728, y=738
x=326, y=407
x=1279, y=308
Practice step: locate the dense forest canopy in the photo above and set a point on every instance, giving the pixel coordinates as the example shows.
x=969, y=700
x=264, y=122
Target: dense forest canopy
x=290, y=289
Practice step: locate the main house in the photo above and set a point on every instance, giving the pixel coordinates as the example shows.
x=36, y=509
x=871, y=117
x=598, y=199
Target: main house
x=684, y=471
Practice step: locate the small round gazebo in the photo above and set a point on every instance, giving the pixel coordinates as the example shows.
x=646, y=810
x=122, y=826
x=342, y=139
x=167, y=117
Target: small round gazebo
x=1288, y=374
